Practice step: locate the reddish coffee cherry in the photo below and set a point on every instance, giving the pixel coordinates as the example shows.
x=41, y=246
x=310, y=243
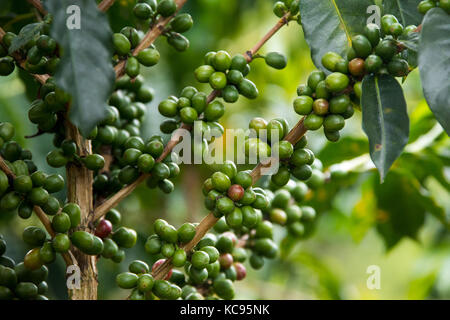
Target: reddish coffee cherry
x=103, y=229
x=356, y=67
x=241, y=271
x=226, y=261
x=235, y=192
x=157, y=264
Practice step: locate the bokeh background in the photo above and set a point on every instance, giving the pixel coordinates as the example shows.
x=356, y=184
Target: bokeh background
x=401, y=226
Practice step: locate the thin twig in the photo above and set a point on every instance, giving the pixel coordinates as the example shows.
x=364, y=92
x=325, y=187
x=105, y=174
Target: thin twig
x=105, y=5
x=38, y=5
x=149, y=38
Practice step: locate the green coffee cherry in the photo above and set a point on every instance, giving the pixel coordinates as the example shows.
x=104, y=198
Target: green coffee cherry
x=313, y=122
x=386, y=22
x=6, y=66
x=373, y=63
x=218, y=80
x=248, y=89
x=239, y=63
x=330, y=59
x=398, y=67
x=61, y=222
x=203, y=73
x=178, y=42
x=125, y=237
x=337, y=82
x=166, y=8
x=94, y=162
x=127, y=280
x=276, y=60
x=142, y=11
x=148, y=57
x=74, y=213
x=362, y=46
x=339, y=104
x=425, y=6
x=373, y=34
x=182, y=23
x=121, y=44
x=314, y=78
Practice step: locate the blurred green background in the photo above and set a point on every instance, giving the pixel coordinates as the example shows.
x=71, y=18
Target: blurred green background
x=400, y=226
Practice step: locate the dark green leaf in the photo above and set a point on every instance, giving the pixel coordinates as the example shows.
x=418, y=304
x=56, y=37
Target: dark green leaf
x=434, y=61
x=410, y=41
x=26, y=34
x=328, y=25
x=397, y=219
x=385, y=120
x=405, y=11
x=85, y=71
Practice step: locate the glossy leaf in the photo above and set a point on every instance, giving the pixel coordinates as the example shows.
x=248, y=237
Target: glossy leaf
x=434, y=61
x=410, y=41
x=397, y=219
x=26, y=34
x=328, y=25
x=385, y=120
x=85, y=71
x=404, y=10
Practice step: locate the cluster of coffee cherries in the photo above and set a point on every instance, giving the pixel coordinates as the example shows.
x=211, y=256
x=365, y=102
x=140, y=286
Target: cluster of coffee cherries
x=280, y=8
x=374, y=52
x=262, y=134
x=324, y=102
x=39, y=53
x=17, y=282
x=167, y=241
x=426, y=5
x=187, y=108
x=230, y=193
x=47, y=111
x=218, y=259
x=30, y=187
x=129, y=37
x=227, y=74
x=142, y=283
x=298, y=164
x=286, y=208
x=104, y=241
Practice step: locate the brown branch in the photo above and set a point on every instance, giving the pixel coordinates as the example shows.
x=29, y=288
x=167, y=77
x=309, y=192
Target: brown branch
x=79, y=191
x=38, y=5
x=283, y=21
x=110, y=203
x=149, y=38
x=105, y=5
x=103, y=208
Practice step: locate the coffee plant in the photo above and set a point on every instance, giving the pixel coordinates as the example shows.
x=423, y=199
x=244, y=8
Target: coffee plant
x=92, y=99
